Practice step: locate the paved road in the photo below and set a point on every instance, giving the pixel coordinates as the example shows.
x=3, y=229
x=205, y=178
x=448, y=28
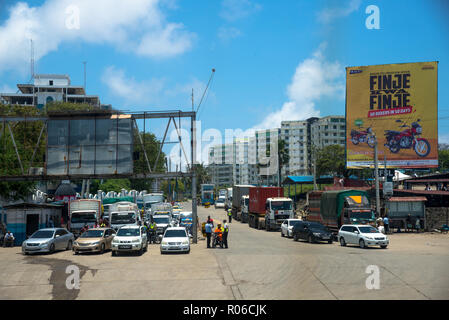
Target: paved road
x=257, y=265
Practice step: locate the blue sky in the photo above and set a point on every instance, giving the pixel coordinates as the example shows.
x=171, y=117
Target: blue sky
x=148, y=54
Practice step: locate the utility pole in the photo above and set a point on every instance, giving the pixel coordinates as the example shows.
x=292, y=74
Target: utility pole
x=314, y=169
x=376, y=177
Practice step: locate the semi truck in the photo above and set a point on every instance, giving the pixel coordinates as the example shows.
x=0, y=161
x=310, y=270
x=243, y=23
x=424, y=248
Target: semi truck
x=150, y=199
x=207, y=194
x=337, y=207
x=82, y=212
x=268, y=208
x=245, y=208
x=238, y=191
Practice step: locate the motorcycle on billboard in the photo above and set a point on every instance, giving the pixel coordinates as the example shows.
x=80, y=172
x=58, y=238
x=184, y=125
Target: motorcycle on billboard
x=363, y=136
x=407, y=139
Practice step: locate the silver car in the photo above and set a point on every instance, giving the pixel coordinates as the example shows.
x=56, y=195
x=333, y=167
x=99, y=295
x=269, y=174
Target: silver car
x=48, y=240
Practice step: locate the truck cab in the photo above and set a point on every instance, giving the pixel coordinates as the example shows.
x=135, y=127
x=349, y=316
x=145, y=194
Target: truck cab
x=277, y=210
x=245, y=209
x=80, y=218
x=123, y=218
x=357, y=210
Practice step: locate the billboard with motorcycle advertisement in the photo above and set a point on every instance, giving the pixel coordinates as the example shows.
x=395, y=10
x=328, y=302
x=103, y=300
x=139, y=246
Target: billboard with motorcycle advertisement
x=398, y=105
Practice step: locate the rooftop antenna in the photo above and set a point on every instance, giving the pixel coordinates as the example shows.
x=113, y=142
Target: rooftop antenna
x=84, y=62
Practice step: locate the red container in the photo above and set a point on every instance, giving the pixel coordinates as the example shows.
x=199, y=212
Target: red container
x=259, y=195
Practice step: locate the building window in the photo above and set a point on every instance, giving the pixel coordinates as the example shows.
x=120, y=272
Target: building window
x=50, y=82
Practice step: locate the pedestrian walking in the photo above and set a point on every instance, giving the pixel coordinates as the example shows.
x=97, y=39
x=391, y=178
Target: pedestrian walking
x=225, y=234
x=211, y=221
x=208, y=228
x=230, y=215
x=417, y=225
x=386, y=224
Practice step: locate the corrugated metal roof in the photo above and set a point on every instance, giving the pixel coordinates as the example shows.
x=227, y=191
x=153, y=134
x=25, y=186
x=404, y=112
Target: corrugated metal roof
x=402, y=199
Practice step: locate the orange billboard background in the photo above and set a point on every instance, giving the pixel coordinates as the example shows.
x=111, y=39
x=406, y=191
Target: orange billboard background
x=397, y=104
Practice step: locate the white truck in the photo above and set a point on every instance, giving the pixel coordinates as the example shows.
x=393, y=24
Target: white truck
x=243, y=216
x=149, y=200
x=82, y=212
x=124, y=213
x=277, y=210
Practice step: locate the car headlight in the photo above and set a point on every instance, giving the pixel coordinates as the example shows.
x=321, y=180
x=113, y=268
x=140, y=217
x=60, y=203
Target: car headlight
x=115, y=241
x=94, y=243
x=164, y=243
x=185, y=242
x=370, y=238
x=44, y=244
x=136, y=241
x=317, y=234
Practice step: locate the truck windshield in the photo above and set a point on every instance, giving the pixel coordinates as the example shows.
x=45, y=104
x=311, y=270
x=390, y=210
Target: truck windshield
x=281, y=205
x=362, y=215
x=83, y=217
x=161, y=220
x=123, y=217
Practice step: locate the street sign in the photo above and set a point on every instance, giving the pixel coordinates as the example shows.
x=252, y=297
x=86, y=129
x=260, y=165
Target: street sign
x=389, y=173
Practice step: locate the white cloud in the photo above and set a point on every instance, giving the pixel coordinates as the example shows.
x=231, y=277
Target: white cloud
x=228, y=33
x=314, y=79
x=443, y=138
x=153, y=91
x=125, y=25
x=327, y=15
x=130, y=90
x=232, y=10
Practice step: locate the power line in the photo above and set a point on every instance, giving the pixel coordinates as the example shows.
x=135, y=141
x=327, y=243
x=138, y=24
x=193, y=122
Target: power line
x=207, y=86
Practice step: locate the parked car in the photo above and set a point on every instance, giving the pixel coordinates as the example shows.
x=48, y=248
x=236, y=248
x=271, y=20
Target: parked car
x=362, y=235
x=311, y=231
x=175, y=239
x=94, y=240
x=220, y=203
x=130, y=239
x=48, y=240
x=287, y=227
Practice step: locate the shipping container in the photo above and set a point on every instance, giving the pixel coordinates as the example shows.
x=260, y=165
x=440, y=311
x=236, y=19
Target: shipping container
x=259, y=195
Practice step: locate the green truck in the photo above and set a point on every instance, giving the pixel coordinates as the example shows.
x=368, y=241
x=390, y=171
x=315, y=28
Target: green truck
x=337, y=207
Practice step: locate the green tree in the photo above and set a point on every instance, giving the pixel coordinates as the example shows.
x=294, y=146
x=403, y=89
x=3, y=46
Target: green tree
x=443, y=160
x=331, y=160
x=165, y=184
x=283, y=157
x=115, y=185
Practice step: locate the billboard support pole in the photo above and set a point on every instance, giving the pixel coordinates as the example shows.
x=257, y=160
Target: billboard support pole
x=376, y=177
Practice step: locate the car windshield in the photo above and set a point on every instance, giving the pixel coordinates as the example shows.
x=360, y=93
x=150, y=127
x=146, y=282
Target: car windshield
x=92, y=234
x=43, y=234
x=294, y=222
x=78, y=217
x=175, y=234
x=368, y=229
x=281, y=205
x=128, y=232
x=317, y=226
x=160, y=220
x=123, y=217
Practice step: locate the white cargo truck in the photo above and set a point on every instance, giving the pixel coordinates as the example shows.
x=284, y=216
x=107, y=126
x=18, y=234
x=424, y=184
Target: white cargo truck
x=83, y=212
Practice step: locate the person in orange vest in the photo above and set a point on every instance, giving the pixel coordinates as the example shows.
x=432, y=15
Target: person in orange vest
x=219, y=234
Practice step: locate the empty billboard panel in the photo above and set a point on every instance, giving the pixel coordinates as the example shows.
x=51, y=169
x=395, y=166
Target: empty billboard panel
x=90, y=146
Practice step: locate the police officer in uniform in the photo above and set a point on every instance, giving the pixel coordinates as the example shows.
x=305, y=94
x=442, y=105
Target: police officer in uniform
x=230, y=215
x=225, y=234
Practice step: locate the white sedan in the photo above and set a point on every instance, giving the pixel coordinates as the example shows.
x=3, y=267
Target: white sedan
x=287, y=226
x=176, y=239
x=362, y=235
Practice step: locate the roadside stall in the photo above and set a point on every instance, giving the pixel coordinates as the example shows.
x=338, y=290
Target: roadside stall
x=398, y=209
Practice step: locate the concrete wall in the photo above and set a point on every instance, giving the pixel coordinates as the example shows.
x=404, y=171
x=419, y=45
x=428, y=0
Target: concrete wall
x=436, y=217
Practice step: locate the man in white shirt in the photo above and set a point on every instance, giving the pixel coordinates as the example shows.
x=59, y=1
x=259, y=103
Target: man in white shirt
x=225, y=234
x=9, y=239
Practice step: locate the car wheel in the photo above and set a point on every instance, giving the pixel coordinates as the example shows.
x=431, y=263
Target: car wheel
x=342, y=242
x=25, y=253
x=52, y=248
x=188, y=251
x=310, y=239
x=295, y=237
x=362, y=244
x=102, y=248
x=383, y=246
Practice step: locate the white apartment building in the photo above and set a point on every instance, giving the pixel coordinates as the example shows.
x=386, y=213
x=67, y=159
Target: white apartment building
x=47, y=88
x=250, y=164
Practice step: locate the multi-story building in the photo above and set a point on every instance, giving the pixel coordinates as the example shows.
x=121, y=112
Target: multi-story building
x=47, y=88
x=220, y=166
x=251, y=162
